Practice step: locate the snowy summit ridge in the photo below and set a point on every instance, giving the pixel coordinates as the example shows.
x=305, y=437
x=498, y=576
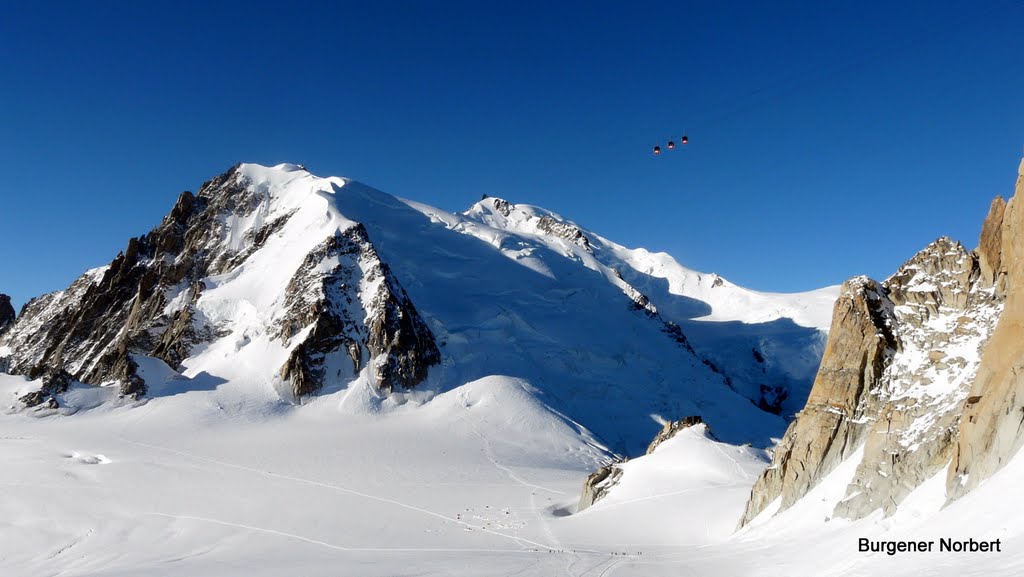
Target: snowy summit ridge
x=260, y=259
x=277, y=284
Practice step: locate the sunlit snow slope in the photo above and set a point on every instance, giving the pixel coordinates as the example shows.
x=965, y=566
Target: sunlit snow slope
x=273, y=284
x=767, y=345
x=480, y=481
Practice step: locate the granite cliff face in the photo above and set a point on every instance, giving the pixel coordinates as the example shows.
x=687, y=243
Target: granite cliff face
x=833, y=423
x=340, y=299
x=990, y=428
x=919, y=375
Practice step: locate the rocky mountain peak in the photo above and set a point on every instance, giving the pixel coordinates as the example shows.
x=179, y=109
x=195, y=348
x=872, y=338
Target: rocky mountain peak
x=990, y=428
x=907, y=379
x=7, y=313
x=503, y=214
x=272, y=283
x=249, y=234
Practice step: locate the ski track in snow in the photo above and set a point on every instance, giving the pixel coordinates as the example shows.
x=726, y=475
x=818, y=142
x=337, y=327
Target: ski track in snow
x=537, y=513
x=489, y=453
x=611, y=567
x=574, y=556
x=337, y=547
x=739, y=469
x=74, y=542
x=250, y=528
x=613, y=506
x=597, y=565
x=522, y=541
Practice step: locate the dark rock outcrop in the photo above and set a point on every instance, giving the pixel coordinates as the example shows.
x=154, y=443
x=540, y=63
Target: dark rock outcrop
x=146, y=300
x=382, y=328
x=599, y=483
x=569, y=232
x=7, y=313
x=55, y=382
x=671, y=428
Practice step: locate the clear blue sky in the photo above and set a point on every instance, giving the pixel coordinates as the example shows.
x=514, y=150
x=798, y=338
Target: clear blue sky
x=828, y=139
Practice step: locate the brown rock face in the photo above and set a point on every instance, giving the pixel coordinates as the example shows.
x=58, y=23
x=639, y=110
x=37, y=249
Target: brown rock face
x=935, y=385
x=671, y=428
x=945, y=313
x=598, y=484
x=831, y=426
x=990, y=428
x=990, y=247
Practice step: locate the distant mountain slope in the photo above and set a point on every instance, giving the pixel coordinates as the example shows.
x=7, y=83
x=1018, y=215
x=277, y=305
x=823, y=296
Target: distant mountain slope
x=272, y=284
x=766, y=345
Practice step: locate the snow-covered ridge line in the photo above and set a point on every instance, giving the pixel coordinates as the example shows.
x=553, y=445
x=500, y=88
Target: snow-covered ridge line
x=282, y=285
x=726, y=301
x=261, y=259
x=766, y=345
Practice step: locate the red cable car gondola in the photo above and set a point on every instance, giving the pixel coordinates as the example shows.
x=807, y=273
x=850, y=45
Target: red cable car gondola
x=671, y=145
x=684, y=140
x=657, y=150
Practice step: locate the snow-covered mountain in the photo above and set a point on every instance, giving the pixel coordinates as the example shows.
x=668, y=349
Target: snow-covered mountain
x=911, y=433
x=293, y=371
x=277, y=284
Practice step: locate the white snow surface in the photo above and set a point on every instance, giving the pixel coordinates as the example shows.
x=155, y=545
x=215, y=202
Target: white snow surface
x=547, y=374
x=481, y=480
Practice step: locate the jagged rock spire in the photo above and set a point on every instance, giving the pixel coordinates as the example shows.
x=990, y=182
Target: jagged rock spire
x=7, y=313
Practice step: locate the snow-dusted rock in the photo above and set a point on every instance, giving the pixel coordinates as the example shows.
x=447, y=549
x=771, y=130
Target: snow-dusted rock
x=601, y=482
x=598, y=484
x=234, y=237
x=895, y=383
x=55, y=382
x=382, y=327
x=672, y=428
